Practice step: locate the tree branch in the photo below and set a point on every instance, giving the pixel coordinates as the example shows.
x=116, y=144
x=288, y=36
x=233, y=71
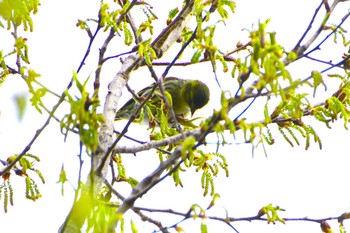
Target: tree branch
x=101, y=157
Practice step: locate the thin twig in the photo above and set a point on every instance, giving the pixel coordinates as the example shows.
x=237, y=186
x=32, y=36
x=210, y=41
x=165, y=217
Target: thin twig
x=297, y=46
x=137, y=210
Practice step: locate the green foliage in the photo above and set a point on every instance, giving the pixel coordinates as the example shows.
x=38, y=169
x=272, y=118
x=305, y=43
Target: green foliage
x=250, y=130
x=204, y=227
x=21, y=103
x=6, y=192
x=335, y=106
x=25, y=165
x=207, y=182
x=209, y=164
x=128, y=39
x=82, y=118
x=338, y=31
x=197, y=211
x=305, y=131
x=176, y=176
x=265, y=60
x=204, y=44
x=148, y=24
x=32, y=191
x=317, y=78
x=5, y=71
x=159, y=123
x=291, y=56
x=102, y=213
x=321, y=114
x=147, y=52
x=196, y=56
x=221, y=4
x=120, y=168
x=107, y=19
x=83, y=25
x=186, y=152
x=23, y=168
x=271, y=213
x=286, y=137
x=37, y=94
x=172, y=14
x=20, y=52
x=162, y=117
x=267, y=117
x=62, y=179
x=268, y=137
x=133, y=227
x=18, y=12
x=341, y=219
x=122, y=177
x=187, y=148
x=21, y=49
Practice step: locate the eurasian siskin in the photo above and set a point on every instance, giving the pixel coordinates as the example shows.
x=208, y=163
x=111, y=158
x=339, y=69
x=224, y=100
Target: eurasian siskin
x=185, y=96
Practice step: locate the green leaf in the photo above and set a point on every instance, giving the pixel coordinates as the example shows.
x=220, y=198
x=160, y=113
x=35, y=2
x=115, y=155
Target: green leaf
x=317, y=77
x=204, y=227
x=146, y=52
x=291, y=56
x=133, y=227
x=187, y=146
x=21, y=103
x=223, y=62
x=271, y=213
x=172, y=14
x=22, y=49
x=127, y=34
x=196, y=56
x=267, y=118
x=62, y=179
x=82, y=116
x=36, y=98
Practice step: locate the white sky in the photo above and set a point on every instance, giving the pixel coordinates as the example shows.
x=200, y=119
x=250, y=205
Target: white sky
x=309, y=183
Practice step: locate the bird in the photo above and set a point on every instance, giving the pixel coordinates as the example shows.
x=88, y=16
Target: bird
x=184, y=95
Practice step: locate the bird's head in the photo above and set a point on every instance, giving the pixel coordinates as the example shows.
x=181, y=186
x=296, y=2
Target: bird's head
x=196, y=94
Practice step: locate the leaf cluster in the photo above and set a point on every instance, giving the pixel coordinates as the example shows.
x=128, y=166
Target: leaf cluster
x=18, y=12
x=272, y=213
x=83, y=117
x=25, y=167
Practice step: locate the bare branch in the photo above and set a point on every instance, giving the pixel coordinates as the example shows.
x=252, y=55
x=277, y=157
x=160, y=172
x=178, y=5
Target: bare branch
x=301, y=49
x=154, y=144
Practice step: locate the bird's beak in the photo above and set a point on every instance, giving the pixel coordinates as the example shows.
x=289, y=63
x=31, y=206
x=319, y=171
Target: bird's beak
x=192, y=112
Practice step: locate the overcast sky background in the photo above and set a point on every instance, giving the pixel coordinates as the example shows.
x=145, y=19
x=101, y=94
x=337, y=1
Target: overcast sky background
x=311, y=183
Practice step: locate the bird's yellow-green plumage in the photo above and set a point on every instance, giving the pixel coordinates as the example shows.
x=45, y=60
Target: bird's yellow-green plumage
x=185, y=96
